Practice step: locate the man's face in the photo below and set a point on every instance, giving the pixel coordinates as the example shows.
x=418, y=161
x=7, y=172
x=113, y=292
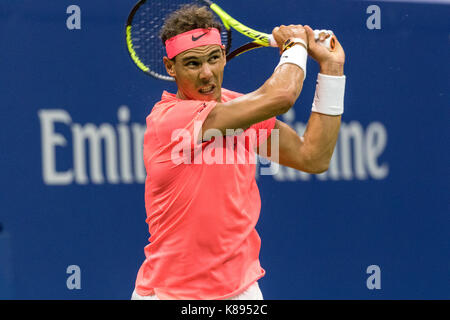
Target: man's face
x=198, y=73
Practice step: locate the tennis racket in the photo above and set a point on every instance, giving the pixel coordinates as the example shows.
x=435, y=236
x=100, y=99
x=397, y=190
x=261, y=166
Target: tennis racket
x=147, y=17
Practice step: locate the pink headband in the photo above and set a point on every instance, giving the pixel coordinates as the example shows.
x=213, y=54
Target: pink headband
x=192, y=39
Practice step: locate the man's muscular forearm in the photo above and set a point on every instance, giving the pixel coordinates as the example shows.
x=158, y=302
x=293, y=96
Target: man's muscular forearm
x=332, y=68
x=313, y=151
x=319, y=140
x=322, y=130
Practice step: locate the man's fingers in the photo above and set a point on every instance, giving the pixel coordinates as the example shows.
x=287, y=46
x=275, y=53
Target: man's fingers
x=310, y=33
x=337, y=43
x=323, y=36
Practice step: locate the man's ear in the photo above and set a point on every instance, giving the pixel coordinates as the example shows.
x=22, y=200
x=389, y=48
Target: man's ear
x=170, y=66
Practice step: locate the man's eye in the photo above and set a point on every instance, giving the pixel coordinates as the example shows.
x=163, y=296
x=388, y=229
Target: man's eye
x=214, y=58
x=192, y=64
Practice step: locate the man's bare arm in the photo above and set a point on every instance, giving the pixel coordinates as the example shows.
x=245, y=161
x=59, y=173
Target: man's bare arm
x=276, y=96
x=313, y=151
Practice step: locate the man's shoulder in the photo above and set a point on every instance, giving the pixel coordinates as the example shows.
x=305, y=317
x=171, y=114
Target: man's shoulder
x=160, y=108
x=169, y=101
x=230, y=95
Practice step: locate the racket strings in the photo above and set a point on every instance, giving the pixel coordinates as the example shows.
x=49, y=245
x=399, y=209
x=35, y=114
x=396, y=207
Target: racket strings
x=145, y=30
x=145, y=33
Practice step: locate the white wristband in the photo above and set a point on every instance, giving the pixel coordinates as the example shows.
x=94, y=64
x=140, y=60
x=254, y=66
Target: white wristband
x=297, y=40
x=329, y=96
x=297, y=55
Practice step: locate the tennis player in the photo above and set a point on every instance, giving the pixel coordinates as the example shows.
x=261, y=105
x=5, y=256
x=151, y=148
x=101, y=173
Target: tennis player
x=202, y=215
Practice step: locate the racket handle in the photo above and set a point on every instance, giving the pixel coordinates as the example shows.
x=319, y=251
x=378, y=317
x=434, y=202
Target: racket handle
x=272, y=41
x=329, y=42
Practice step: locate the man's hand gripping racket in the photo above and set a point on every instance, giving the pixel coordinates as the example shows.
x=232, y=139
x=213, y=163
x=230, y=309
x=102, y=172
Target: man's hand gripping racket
x=325, y=38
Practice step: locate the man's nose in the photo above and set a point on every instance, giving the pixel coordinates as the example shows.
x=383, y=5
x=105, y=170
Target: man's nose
x=206, y=72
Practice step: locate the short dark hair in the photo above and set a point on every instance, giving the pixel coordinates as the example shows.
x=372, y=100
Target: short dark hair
x=186, y=18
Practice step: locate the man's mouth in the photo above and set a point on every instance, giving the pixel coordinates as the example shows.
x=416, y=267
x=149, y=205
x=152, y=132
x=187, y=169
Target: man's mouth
x=207, y=89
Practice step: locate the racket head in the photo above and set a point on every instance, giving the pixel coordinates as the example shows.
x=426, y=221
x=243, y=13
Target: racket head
x=143, y=28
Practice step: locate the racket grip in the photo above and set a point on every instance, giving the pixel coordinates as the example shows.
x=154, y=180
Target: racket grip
x=329, y=42
x=272, y=41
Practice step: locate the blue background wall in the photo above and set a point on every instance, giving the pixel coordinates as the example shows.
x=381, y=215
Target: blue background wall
x=383, y=202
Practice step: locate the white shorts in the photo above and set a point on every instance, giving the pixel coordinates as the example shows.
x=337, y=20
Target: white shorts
x=252, y=293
